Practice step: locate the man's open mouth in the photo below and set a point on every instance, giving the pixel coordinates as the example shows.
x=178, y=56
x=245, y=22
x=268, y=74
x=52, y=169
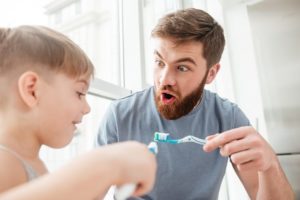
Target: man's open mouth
x=167, y=98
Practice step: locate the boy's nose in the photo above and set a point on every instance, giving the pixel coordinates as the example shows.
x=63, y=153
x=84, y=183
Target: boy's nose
x=86, y=108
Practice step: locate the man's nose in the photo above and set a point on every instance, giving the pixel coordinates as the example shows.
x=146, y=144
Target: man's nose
x=167, y=77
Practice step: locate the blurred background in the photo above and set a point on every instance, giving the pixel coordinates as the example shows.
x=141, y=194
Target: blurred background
x=260, y=65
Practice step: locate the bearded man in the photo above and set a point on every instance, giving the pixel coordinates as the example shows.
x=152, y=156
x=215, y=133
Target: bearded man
x=188, y=45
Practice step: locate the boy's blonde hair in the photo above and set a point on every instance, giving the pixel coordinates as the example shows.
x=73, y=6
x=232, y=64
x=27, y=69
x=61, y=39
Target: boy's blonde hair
x=41, y=49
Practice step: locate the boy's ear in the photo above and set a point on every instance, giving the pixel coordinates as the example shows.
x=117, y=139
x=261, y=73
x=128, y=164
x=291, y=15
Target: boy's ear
x=212, y=73
x=27, y=87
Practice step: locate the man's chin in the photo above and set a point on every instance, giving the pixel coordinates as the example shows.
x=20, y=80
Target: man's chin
x=168, y=111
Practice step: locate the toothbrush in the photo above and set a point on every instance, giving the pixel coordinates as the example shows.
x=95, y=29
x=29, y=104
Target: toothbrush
x=165, y=137
x=125, y=191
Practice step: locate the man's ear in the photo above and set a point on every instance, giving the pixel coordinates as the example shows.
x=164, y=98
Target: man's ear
x=27, y=87
x=212, y=73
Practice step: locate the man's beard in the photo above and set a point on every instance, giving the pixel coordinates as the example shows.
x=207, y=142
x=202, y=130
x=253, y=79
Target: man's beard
x=179, y=107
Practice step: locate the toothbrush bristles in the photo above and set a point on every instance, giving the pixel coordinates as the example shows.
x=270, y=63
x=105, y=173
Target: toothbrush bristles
x=159, y=136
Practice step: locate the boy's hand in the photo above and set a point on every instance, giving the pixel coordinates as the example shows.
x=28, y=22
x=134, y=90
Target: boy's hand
x=135, y=164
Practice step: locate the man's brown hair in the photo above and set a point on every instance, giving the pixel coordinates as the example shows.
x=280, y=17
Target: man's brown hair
x=40, y=48
x=193, y=25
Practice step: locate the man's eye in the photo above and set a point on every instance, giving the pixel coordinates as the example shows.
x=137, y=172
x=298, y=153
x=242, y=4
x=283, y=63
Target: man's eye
x=159, y=63
x=183, y=68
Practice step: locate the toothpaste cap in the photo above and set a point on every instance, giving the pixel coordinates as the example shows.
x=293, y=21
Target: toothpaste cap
x=153, y=147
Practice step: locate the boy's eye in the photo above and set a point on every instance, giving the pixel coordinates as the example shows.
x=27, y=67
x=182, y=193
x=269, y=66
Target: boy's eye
x=80, y=94
x=182, y=68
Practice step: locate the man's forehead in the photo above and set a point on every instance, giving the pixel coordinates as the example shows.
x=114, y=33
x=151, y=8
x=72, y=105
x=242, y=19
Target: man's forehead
x=187, y=47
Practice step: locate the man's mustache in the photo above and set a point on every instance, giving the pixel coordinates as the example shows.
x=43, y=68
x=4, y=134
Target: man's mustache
x=166, y=87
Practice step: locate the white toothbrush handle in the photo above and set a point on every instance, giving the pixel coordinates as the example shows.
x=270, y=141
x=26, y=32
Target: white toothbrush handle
x=125, y=191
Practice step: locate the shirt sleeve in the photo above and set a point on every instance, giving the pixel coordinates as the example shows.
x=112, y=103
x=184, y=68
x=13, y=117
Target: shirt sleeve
x=240, y=119
x=108, y=131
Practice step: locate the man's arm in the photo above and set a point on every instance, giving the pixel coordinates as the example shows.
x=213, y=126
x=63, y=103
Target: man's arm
x=254, y=161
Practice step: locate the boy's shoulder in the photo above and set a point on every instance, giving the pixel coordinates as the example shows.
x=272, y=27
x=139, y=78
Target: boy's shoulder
x=12, y=172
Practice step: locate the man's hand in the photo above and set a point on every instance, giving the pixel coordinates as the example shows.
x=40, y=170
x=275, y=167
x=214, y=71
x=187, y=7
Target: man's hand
x=246, y=148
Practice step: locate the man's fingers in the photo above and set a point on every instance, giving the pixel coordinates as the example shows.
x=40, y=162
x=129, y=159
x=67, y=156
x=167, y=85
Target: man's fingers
x=212, y=136
x=243, y=157
x=220, y=140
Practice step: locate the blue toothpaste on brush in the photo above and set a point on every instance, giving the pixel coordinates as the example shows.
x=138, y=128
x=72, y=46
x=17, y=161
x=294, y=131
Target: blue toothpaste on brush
x=165, y=137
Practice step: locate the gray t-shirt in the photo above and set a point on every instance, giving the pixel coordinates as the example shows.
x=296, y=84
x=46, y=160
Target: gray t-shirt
x=185, y=171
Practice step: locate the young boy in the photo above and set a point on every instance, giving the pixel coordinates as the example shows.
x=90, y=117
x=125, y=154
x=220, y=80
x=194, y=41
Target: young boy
x=44, y=78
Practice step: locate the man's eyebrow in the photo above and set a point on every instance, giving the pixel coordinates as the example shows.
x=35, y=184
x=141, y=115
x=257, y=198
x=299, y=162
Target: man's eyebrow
x=186, y=59
x=158, y=54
